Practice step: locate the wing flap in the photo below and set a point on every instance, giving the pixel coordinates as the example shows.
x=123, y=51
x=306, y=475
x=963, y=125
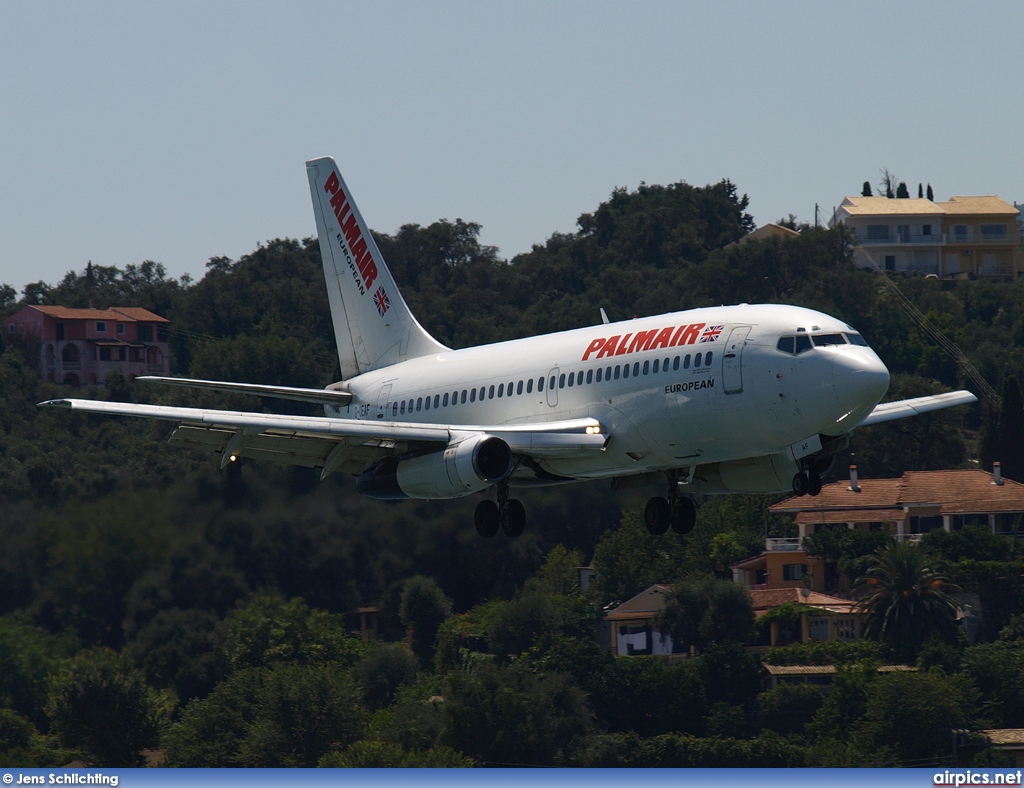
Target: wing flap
x=315, y=396
x=901, y=409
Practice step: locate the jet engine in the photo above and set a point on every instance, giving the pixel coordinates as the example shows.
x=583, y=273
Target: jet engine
x=773, y=473
x=464, y=467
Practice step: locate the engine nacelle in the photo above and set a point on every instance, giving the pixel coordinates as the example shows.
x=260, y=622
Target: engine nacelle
x=773, y=473
x=463, y=468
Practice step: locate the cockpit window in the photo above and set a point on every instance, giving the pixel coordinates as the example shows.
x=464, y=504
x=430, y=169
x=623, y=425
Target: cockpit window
x=822, y=340
x=856, y=339
x=794, y=346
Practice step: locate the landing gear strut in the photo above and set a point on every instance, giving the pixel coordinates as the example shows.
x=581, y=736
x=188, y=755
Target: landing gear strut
x=678, y=513
x=507, y=514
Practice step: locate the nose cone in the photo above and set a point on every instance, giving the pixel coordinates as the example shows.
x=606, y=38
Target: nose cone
x=861, y=381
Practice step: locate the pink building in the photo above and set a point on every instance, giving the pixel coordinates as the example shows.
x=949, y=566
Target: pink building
x=82, y=346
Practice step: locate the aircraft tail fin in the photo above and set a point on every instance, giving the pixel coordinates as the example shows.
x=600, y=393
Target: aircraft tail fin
x=372, y=323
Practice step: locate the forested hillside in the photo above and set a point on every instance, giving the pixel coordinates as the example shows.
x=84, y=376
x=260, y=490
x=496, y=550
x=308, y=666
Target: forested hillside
x=210, y=604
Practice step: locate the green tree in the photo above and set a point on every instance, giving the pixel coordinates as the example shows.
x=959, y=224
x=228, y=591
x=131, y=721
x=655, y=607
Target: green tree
x=266, y=630
x=281, y=715
x=513, y=717
x=423, y=609
x=906, y=599
x=102, y=706
x=630, y=559
x=383, y=671
x=702, y=609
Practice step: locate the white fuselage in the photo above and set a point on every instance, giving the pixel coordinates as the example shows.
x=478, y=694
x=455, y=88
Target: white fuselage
x=670, y=391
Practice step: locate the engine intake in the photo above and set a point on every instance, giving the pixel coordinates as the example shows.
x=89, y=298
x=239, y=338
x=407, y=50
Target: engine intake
x=463, y=468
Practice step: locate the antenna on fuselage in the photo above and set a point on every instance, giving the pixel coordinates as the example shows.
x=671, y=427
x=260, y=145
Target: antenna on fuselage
x=604, y=317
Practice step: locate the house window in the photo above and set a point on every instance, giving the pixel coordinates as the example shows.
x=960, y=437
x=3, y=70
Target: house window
x=846, y=628
x=145, y=333
x=101, y=326
x=10, y=329
x=878, y=232
x=960, y=231
x=794, y=571
x=926, y=229
x=120, y=328
x=890, y=262
x=991, y=232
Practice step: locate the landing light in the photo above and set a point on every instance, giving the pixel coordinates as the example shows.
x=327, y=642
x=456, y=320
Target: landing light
x=593, y=430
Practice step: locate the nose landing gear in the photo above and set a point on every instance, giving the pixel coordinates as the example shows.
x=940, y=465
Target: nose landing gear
x=807, y=482
x=679, y=514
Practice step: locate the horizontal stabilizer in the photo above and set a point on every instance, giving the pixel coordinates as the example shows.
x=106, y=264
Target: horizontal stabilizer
x=316, y=396
x=901, y=409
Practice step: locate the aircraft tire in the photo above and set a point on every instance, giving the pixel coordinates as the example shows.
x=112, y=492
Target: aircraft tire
x=684, y=516
x=657, y=515
x=513, y=518
x=800, y=484
x=485, y=519
x=813, y=483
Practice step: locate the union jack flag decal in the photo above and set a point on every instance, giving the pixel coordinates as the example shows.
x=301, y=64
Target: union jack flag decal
x=381, y=301
x=711, y=333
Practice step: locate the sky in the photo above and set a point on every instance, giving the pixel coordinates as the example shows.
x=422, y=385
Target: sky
x=178, y=131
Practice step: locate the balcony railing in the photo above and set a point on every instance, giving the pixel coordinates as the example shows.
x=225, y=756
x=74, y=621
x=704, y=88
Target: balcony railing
x=783, y=545
x=896, y=239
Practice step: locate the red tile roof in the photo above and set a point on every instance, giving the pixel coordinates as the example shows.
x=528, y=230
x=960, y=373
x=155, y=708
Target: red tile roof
x=125, y=314
x=954, y=492
x=764, y=599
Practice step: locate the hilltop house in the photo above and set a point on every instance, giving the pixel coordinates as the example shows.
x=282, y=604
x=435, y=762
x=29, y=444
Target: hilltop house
x=82, y=346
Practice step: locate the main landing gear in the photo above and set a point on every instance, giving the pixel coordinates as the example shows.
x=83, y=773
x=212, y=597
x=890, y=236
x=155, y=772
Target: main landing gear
x=678, y=513
x=807, y=482
x=507, y=514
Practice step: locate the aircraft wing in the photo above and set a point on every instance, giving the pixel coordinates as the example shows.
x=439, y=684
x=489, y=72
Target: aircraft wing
x=339, y=444
x=316, y=396
x=900, y=409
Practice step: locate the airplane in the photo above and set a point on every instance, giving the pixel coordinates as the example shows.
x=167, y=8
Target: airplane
x=727, y=399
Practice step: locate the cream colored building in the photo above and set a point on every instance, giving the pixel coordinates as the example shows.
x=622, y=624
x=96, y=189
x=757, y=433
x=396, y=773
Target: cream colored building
x=964, y=237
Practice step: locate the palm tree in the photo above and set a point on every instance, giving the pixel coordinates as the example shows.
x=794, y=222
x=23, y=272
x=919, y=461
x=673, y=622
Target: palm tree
x=907, y=601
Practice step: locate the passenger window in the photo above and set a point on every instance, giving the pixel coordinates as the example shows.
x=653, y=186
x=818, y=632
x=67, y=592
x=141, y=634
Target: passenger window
x=551, y=383
x=561, y=381
x=540, y=384
x=590, y=376
x=394, y=409
x=403, y=407
x=572, y=377
x=608, y=373
x=657, y=365
x=625, y=370
x=519, y=388
x=472, y=395
x=786, y=345
x=803, y=343
x=616, y=371
x=501, y=390
x=437, y=401
x=599, y=375
x=419, y=404
x=707, y=359
x=686, y=361
x=463, y=398
x=675, y=363
x=696, y=361
x=490, y=393
x=426, y=405
x=529, y=386
x=636, y=369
